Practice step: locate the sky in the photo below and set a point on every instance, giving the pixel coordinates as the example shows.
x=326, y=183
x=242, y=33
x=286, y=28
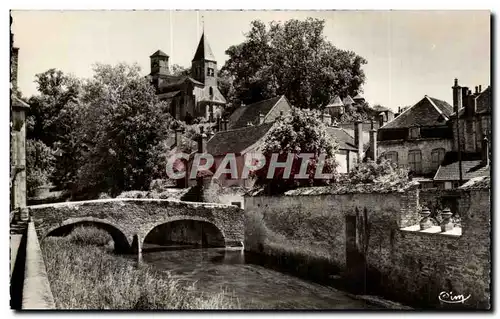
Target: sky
x=410, y=53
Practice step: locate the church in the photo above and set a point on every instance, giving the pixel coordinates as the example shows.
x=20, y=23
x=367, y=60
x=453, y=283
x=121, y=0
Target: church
x=190, y=96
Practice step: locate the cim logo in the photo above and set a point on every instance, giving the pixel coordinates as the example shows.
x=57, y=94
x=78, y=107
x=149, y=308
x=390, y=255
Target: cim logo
x=449, y=297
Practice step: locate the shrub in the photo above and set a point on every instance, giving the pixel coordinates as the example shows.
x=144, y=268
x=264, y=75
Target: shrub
x=83, y=235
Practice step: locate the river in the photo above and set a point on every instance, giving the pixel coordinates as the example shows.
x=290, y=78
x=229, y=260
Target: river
x=254, y=286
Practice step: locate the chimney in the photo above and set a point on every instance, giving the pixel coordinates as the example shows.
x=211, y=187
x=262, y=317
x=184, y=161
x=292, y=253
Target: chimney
x=480, y=89
x=457, y=97
x=177, y=131
x=485, y=152
x=471, y=104
x=381, y=119
x=373, y=143
x=202, y=141
x=358, y=138
x=465, y=93
x=261, y=118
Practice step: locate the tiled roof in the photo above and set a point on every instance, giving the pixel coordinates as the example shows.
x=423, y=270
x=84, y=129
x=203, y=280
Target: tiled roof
x=470, y=169
x=174, y=83
x=204, y=52
x=380, y=108
x=250, y=113
x=168, y=95
x=427, y=112
x=335, y=102
x=159, y=53
x=484, y=101
x=203, y=94
x=348, y=100
x=345, y=141
x=358, y=97
x=477, y=183
x=236, y=141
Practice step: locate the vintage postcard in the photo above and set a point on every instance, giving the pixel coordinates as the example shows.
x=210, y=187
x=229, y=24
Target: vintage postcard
x=255, y=160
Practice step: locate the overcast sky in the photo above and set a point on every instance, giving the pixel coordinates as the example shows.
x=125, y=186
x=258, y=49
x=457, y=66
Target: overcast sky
x=409, y=54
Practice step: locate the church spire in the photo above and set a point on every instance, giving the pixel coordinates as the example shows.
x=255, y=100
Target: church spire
x=204, y=52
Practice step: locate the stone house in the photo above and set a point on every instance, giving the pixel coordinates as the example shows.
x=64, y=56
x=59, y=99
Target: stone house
x=419, y=137
x=241, y=141
x=266, y=111
x=471, y=125
x=189, y=96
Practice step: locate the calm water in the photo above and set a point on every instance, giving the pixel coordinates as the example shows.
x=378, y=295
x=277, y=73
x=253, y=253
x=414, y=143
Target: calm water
x=255, y=287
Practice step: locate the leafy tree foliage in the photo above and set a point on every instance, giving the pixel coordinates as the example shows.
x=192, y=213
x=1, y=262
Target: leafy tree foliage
x=297, y=133
x=293, y=59
x=39, y=164
x=46, y=120
x=382, y=171
x=121, y=122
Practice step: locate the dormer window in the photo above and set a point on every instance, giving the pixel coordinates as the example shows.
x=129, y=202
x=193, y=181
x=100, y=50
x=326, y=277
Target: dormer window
x=414, y=132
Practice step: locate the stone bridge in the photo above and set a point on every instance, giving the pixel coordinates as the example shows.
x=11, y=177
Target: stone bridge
x=129, y=221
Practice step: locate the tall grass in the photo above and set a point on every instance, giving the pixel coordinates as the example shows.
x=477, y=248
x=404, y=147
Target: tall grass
x=84, y=276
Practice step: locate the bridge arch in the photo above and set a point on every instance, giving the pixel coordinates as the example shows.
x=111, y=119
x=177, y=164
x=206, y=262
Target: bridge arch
x=201, y=230
x=120, y=239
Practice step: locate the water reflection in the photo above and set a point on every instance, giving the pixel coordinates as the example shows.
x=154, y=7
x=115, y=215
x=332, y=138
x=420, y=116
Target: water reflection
x=255, y=287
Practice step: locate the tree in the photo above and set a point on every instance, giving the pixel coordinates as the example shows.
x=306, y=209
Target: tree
x=39, y=164
x=293, y=59
x=56, y=91
x=299, y=132
x=178, y=70
x=382, y=171
x=51, y=121
x=121, y=124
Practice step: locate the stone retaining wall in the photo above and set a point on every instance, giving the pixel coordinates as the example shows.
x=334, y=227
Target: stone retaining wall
x=37, y=294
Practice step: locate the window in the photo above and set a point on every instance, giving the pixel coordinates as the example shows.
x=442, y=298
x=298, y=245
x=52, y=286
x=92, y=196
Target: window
x=211, y=91
x=391, y=156
x=414, y=132
x=211, y=72
x=437, y=156
x=415, y=161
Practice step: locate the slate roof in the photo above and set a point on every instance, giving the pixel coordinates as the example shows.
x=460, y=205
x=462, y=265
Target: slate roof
x=250, y=113
x=174, y=83
x=348, y=100
x=203, y=94
x=335, y=102
x=237, y=140
x=168, y=95
x=158, y=53
x=358, y=97
x=204, y=52
x=427, y=112
x=483, y=103
x=470, y=169
x=380, y=108
x=346, y=141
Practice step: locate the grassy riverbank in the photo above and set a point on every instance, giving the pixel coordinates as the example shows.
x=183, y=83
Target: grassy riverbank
x=85, y=274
